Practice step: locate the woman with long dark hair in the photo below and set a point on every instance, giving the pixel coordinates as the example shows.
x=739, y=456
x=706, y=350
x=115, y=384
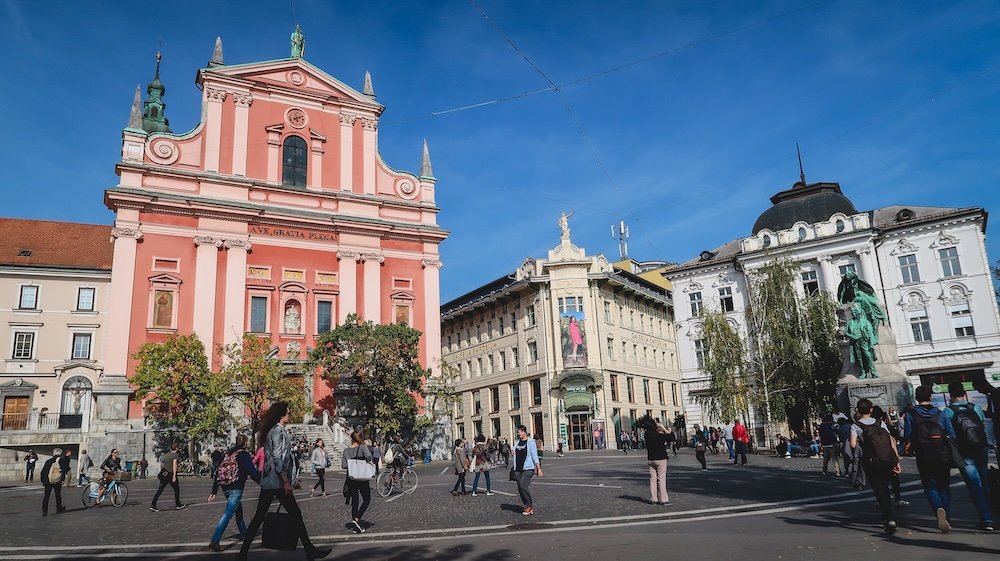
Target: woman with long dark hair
x=277, y=480
x=359, y=492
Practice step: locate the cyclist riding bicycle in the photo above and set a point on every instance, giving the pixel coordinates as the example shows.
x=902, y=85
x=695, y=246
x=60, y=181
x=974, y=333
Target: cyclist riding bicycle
x=400, y=456
x=111, y=465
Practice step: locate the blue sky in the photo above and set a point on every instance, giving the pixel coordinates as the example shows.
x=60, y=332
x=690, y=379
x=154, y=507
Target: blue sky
x=896, y=101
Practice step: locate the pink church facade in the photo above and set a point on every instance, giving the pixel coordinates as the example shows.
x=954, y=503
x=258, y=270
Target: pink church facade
x=275, y=215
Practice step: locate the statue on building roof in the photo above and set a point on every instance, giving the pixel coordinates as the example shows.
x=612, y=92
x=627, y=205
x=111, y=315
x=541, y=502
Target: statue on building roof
x=298, y=43
x=564, y=224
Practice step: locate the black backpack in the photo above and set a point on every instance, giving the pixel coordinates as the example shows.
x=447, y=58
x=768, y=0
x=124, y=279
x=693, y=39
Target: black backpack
x=930, y=441
x=877, y=447
x=970, y=430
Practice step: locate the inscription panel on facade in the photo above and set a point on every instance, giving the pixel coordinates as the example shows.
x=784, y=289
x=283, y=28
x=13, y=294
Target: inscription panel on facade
x=275, y=232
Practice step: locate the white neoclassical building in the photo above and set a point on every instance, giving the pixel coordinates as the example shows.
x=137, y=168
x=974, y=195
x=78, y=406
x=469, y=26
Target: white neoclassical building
x=928, y=265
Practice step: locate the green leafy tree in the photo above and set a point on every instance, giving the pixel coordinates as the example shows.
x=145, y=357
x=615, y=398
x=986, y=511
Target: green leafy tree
x=439, y=397
x=726, y=363
x=258, y=379
x=181, y=391
x=381, y=361
x=817, y=389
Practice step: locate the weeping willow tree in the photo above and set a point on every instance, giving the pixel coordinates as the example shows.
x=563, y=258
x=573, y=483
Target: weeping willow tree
x=785, y=364
x=725, y=362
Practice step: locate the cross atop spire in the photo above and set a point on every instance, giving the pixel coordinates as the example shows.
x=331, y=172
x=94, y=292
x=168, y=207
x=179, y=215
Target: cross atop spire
x=425, y=163
x=153, y=118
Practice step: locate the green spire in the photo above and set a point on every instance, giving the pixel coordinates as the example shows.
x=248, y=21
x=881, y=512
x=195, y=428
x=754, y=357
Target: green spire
x=153, y=119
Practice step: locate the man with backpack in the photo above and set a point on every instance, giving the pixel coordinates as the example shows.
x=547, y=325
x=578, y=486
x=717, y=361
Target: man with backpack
x=879, y=458
x=932, y=439
x=52, y=479
x=970, y=436
x=234, y=468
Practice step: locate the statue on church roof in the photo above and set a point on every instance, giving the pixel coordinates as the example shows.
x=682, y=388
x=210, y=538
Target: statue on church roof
x=564, y=224
x=298, y=43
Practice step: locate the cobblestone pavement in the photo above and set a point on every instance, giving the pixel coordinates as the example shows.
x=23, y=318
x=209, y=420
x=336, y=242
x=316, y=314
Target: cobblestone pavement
x=593, y=498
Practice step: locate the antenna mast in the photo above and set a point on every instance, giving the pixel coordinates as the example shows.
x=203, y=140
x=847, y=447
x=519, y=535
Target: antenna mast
x=620, y=232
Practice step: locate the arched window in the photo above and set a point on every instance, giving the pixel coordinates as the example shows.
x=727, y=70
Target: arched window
x=76, y=397
x=293, y=158
x=840, y=226
x=767, y=240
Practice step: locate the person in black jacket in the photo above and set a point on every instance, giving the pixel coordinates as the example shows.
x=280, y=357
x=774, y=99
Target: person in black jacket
x=656, y=455
x=233, y=489
x=54, y=485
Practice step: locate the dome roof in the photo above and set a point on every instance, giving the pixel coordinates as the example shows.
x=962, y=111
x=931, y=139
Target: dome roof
x=812, y=203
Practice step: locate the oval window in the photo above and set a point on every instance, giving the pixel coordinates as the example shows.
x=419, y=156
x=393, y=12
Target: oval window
x=840, y=226
x=802, y=234
x=767, y=241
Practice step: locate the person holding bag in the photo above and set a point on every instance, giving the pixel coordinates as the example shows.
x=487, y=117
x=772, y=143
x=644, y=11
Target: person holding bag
x=277, y=480
x=359, y=462
x=526, y=466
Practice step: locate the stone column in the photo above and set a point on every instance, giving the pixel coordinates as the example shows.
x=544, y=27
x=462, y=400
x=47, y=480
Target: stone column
x=213, y=127
x=369, y=125
x=432, y=312
x=121, y=293
x=240, y=128
x=206, y=265
x=830, y=282
x=235, y=290
x=866, y=269
x=373, y=286
x=347, y=151
x=348, y=273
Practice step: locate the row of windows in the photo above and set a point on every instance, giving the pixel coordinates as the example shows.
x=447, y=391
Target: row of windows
x=28, y=298
x=537, y=428
x=25, y=344
x=458, y=340
x=514, y=395
x=951, y=266
x=291, y=321
x=961, y=322
x=646, y=395
x=656, y=358
x=627, y=422
x=497, y=362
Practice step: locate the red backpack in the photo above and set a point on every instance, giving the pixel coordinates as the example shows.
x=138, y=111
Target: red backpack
x=229, y=469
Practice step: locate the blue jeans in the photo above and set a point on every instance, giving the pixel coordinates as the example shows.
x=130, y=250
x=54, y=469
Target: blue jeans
x=729, y=446
x=937, y=487
x=976, y=475
x=814, y=449
x=233, y=505
x=475, y=481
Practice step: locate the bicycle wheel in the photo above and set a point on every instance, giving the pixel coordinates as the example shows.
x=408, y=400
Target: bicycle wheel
x=119, y=495
x=204, y=469
x=383, y=484
x=90, y=494
x=408, y=483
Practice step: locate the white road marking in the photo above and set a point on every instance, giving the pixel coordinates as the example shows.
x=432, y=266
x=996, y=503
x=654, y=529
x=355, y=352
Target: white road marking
x=600, y=486
x=714, y=513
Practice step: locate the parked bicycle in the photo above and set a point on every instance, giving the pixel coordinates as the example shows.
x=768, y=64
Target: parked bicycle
x=116, y=491
x=191, y=467
x=403, y=477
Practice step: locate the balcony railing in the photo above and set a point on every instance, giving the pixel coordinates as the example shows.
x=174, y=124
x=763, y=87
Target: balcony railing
x=41, y=421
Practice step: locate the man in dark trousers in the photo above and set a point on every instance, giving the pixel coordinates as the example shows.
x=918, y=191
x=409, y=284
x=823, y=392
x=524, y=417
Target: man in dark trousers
x=29, y=466
x=52, y=479
x=64, y=467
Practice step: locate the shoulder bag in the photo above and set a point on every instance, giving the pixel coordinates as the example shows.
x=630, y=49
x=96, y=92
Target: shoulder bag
x=360, y=469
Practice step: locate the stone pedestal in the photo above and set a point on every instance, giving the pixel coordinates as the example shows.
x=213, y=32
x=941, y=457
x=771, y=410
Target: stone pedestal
x=883, y=392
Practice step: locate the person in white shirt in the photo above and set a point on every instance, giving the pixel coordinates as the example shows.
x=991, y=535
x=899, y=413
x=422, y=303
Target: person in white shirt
x=727, y=434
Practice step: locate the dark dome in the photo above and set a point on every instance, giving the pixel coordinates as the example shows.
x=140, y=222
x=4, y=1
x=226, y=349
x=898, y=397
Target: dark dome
x=807, y=203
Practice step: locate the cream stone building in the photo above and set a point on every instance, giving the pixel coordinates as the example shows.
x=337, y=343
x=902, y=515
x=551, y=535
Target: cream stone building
x=54, y=291
x=570, y=346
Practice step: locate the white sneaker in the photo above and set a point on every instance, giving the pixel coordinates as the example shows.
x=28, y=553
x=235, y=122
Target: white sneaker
x=489, y=493
x=473, y=493
x=942, y=520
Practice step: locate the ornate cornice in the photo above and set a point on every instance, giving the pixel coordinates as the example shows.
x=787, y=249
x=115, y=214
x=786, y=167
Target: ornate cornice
x=243, y=99
x=134, y=233
x=215, y=94
x=372, y=256
x=207, y=240
x=237, y=244
x=424, y=263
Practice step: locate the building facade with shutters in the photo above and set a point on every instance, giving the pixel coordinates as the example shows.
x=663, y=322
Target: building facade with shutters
x=54, y=281
x=570, y=346
x=928, y=266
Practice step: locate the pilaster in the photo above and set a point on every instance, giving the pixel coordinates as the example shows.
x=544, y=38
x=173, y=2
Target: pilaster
x=240, y=131
x=348, y=273
x=120, y=310
x=213, y=127
x=235, y=290
x=369, y=127
x=347, y=151
x=432, y=312
x=206, y=264
x=373, y=286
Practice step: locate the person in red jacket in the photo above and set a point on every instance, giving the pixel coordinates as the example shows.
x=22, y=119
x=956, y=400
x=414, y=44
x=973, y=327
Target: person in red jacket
x=742, y=437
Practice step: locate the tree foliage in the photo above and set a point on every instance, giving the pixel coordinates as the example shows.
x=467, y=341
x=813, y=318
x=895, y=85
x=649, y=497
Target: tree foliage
x=181, y=391
x=726, y=365
x=382, y=361
x=439, y=396
x=995, y=269
x=259, y=380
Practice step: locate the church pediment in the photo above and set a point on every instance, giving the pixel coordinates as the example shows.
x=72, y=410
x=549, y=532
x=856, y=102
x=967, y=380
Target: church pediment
x=295, y=74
